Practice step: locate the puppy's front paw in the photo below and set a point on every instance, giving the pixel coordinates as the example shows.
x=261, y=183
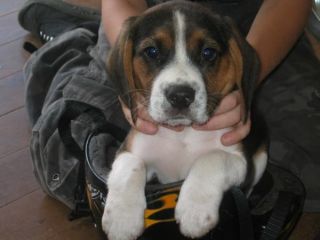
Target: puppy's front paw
x=123, y=220
x=197, y=210
x=196, y=218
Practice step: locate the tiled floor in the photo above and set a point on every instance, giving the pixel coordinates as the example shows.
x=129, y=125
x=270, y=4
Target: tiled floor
x=25, y=211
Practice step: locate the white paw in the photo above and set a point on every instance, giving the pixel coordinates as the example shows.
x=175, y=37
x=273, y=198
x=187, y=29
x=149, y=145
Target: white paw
x=196, y=218
x=123, y=220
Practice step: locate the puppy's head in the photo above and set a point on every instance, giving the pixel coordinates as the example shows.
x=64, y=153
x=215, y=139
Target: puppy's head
x=178, y=60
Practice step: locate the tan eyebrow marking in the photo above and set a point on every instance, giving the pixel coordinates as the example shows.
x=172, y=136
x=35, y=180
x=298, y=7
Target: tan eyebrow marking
x=161, y=35
x=143, y=74
x=200, y=35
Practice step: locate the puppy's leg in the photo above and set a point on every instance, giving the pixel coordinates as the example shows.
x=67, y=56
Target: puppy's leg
x=197, y=210
x=123, y=217
x=260, y=160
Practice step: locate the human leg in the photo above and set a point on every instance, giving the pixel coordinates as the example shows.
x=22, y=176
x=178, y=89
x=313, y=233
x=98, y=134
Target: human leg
x=290, y=103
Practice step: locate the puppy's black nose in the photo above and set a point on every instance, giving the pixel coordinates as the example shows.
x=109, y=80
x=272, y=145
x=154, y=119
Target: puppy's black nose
x=180, y=96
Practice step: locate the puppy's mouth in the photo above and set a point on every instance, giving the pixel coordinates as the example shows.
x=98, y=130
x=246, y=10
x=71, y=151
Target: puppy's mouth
x=177, y=105
x=182, y=105
x=178, y=120
x=185, y=117
x=174, y=118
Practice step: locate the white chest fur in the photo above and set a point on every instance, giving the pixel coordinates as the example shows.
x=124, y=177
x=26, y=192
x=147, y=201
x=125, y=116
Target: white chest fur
x=208, y=167
x=170, y=154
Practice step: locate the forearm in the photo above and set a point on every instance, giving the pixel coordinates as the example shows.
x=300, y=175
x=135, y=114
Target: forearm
x=115, y=12
x=276, y=28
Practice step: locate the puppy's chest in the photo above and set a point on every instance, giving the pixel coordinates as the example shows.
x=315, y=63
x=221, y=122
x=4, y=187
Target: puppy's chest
x=170, y=154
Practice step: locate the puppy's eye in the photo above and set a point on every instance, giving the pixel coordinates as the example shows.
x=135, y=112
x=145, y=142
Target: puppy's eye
x=152, y=52
x=209, y=54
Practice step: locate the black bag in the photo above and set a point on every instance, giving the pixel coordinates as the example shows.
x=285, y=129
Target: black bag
x=62, y=73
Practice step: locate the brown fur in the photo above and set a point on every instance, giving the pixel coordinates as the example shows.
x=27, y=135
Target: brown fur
x=228, y=72
x=143, y=74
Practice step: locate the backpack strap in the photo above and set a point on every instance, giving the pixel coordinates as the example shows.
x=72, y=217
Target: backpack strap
x=244, y=215
x=73, y=111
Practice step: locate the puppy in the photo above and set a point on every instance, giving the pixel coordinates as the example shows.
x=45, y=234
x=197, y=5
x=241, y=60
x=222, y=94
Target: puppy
x=177, y=61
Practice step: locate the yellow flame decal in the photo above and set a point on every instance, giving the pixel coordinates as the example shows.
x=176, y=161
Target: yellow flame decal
x=169, y=202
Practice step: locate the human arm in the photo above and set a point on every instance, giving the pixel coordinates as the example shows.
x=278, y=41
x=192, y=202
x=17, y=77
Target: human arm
x=115, y=12
x=276, y=28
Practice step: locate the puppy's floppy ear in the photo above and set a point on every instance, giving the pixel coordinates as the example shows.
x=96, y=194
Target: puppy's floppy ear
x=120, y=65
x=248, y=60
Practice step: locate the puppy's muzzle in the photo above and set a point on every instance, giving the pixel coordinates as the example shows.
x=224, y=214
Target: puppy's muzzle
x=180, y=97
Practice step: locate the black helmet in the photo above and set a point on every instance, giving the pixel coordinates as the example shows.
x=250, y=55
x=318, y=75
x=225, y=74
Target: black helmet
x=271, y=212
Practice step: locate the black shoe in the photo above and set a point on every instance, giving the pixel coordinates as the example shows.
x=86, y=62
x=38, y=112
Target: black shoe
x=47, y=19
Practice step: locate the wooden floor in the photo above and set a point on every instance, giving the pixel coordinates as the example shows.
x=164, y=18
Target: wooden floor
x=25, y=211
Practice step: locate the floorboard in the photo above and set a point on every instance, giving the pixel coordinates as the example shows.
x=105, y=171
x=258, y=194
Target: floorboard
x=38, y=217
x=308, y=227
x=10, y=29
x=14, y=132
x=25, y=211
x=9, y=6
x=11, y=93
x=16, y=177
x=12, y=57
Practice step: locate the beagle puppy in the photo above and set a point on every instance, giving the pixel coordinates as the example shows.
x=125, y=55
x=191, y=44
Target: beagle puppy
x=177, y=61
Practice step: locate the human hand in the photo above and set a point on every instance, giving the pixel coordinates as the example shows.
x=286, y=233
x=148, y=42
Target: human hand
x=143, y=123
x=229, y=113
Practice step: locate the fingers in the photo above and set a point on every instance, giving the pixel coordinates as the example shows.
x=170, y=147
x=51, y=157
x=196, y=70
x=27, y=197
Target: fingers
x=229, y=115
x=143, y=123
x=145, y=126
x=228, y=119
x=237, y=134
x=228, y=103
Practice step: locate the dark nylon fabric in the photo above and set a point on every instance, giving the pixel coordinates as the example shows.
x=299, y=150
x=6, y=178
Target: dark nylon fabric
x=66, y=69
x=290, y=103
